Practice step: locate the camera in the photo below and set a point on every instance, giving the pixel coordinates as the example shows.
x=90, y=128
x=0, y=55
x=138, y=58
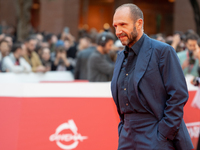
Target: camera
x=196, y=81
x=191, y=58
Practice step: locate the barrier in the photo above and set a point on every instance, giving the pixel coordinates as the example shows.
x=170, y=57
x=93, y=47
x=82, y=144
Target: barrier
x=66, y=116
x=31, y=77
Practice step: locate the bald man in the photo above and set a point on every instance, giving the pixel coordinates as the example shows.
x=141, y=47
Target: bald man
x=148, y=87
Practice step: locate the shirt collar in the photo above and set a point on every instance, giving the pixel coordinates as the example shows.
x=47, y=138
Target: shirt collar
x=136, y=46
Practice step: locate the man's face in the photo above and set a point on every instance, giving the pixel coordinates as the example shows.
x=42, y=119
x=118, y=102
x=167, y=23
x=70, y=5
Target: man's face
x=19, y=52
x=191, y=45
x=108, y=47
x=125, y=29
x=46, y=54
x=31, y=45
x=4, y=48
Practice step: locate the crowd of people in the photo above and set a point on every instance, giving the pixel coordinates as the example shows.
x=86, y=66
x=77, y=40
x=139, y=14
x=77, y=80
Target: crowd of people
x=42, y=52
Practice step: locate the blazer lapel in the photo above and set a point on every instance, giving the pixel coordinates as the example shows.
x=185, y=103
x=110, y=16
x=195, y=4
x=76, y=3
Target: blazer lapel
x=118, y=64
x=142, y=62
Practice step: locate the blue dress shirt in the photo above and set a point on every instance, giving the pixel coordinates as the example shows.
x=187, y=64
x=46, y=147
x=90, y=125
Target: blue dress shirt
x=126, y=91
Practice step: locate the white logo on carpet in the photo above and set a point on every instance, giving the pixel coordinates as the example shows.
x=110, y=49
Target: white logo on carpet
x=75, y=137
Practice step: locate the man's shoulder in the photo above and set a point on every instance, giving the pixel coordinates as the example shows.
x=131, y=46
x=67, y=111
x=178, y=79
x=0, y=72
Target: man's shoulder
x=7, y=58
x=86, y=51
x=182, y=53
x=95, y=56
x=161, y=47
x=159, y=44
x=34, y=54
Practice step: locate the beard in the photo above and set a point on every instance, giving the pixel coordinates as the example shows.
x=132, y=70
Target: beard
x=105, y=51
x=131, y=38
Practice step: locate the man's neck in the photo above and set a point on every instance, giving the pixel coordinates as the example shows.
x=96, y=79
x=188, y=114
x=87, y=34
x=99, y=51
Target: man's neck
x=100, y=49
x=29, y=53
x=137, y=39
x=16, y=55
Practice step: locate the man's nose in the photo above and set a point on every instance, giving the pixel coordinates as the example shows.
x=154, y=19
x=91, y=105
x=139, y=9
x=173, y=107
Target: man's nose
x=118, y=31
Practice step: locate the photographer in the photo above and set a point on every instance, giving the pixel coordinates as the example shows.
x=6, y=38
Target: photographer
x=196, y=80
x=188, y=62
x=61, y=62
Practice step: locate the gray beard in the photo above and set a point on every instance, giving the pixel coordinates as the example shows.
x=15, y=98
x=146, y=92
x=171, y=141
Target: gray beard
x=133, y=37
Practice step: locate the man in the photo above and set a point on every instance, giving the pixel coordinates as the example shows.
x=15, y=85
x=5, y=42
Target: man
x=45, y=58
x=61, y=62
x=32, y=57
x=148, y=87
x=80, y=71
x=99, y=68
x=4, y=51
x=188, y=63
x=15, y=62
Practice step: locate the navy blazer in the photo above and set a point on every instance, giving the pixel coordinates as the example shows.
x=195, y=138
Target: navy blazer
x=158, y=77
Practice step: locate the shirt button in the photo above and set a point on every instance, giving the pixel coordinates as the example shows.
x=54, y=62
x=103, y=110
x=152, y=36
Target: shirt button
x=124, y=89
x=126, y=104
x=127, y=74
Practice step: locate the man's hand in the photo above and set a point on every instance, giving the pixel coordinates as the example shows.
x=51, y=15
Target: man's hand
x=41, y=69
x=176, y=41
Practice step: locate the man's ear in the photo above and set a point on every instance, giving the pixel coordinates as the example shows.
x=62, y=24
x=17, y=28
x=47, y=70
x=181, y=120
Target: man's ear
x=139, y=24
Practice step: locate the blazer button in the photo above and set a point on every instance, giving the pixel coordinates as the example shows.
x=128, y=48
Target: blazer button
x=124, y=89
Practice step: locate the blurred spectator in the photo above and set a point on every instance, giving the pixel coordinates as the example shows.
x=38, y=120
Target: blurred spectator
x=2, y=36
x=61, y=62
x=178, y=41
x=9, y=40
x=15, y=62
x=99, y=68
x=189, y=64
x=160, y=37
x=51, y=39
x=175, y=41
x=39, y=37
x=81, y=70
x=45, y=58
x=84, y=42
x=197, y=51
x=4, y=49
x=38, y=50
x=118, y=46
x=68, y=37
x=32, y=57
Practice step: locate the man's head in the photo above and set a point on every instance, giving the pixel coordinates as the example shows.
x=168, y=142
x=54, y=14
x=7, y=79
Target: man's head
x=4, y=47
x=191, y=41
x=105, y=40
x=51, y=39
x=30, y=44
x=128, y=24
x=84, y=42
x=17, y=50
x=9, y=40
x=46, y=54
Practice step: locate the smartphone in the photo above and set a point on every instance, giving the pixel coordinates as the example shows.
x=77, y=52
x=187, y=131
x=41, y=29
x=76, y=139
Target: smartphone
x=66, y=29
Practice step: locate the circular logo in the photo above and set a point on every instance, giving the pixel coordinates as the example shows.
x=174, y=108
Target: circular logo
x=75, y=137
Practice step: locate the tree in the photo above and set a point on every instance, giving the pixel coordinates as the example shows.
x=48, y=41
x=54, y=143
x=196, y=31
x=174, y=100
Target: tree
x=23, y=18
